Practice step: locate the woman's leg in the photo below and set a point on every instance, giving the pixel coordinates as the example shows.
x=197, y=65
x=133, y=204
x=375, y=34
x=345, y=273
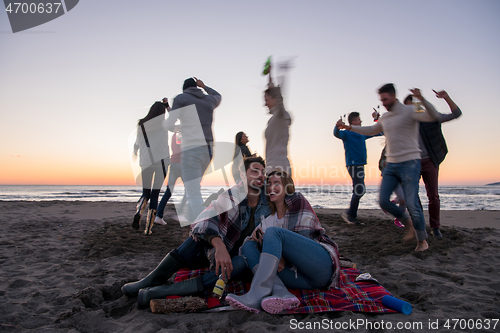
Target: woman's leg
x=173, y=175
x=298, y=251
x=147, y=177
x=160, y=172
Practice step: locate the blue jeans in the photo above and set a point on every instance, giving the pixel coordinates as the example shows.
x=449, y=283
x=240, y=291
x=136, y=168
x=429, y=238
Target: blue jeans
x=408, y=174
x=194, y=163
x=357, y=173
x=152, y=179
x=192, y=255
x=174, y=174
x=300, y=271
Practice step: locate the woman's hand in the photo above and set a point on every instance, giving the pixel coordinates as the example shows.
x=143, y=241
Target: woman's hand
x=281, y=264
x=258, y=235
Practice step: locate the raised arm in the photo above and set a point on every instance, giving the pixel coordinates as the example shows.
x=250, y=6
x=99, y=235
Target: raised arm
x=365, y=130
x=455, y=110
x=430, y=113
x=211, y=92
x=368, y=130
x=270, y=84
x=338, y=133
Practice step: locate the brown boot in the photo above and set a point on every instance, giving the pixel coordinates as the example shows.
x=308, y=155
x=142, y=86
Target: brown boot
x=141, y=206
x=150, y=221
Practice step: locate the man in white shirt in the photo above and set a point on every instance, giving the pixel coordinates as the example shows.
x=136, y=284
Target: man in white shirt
x=401, y=129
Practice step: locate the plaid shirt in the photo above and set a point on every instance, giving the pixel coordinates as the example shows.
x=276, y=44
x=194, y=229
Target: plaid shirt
x=227, y=217
x=302, y=219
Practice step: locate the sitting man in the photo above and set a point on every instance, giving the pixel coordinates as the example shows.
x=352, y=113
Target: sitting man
x=219, y=232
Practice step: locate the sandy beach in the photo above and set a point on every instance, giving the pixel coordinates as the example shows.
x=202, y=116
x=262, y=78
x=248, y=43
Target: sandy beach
x=62, y=265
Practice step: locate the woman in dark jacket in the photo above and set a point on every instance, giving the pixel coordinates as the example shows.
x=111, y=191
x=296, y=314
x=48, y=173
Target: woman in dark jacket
x=240, y=143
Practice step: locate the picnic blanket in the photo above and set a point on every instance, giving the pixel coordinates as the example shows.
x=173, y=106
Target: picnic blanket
x=363, y=296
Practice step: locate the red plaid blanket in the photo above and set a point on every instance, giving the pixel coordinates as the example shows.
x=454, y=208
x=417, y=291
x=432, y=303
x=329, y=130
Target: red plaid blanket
x=351, y=296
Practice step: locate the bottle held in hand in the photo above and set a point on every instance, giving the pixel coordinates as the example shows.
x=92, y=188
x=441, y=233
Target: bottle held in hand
x=219, y=287
x=417, y=105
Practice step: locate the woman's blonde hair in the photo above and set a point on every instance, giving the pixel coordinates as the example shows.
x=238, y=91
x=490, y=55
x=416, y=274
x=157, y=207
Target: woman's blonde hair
x=288, y=184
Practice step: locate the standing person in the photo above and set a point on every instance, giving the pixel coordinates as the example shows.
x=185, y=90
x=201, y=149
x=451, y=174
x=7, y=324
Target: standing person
x=277, y=132
x=217, y=236
x=240, y=143
x=434, y=150
x=296, y=253
x=398, y=191
x=154, y=158
x=355, y=161
x=195, y=110
x=400, y=126
x=175, y=172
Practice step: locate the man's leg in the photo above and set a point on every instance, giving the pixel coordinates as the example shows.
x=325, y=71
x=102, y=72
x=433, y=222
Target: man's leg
x=189, y=251
x=191, y=287
x=171, y=263
x=194, y=164
x=400, y=197
x=251, y=252
x=239, y=267
x=409, y=172
x=430, y=174
x=357, y=173
x=390, y=180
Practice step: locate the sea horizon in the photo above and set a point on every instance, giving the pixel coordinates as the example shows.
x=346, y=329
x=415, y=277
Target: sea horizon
x=453, y=197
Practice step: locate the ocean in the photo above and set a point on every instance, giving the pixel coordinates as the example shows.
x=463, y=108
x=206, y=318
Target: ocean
x=452, y=197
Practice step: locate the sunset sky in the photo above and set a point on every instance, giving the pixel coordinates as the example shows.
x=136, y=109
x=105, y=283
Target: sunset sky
x=72, y=90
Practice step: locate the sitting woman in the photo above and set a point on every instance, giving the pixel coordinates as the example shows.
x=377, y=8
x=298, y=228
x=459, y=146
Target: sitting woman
x=290, y=237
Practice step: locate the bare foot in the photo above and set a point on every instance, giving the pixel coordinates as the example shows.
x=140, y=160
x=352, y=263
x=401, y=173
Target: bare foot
x=410, y=233
x=422, y=246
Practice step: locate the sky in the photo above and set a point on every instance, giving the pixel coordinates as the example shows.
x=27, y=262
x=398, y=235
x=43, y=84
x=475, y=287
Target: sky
x=72, y=89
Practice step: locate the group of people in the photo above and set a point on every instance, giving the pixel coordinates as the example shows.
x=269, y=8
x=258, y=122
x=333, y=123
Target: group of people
x=261, y=225
x=194, y=109
x=415, y=147
x=191, y=118
x=269, y=230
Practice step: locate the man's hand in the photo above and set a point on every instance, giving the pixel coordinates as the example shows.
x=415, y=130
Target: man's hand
x=222, y=259
x=441, y=94
x=416, y=92
x=444, y=95
x=340, y=124
x=199, y=83
x=258, y=235
x=281, y=264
